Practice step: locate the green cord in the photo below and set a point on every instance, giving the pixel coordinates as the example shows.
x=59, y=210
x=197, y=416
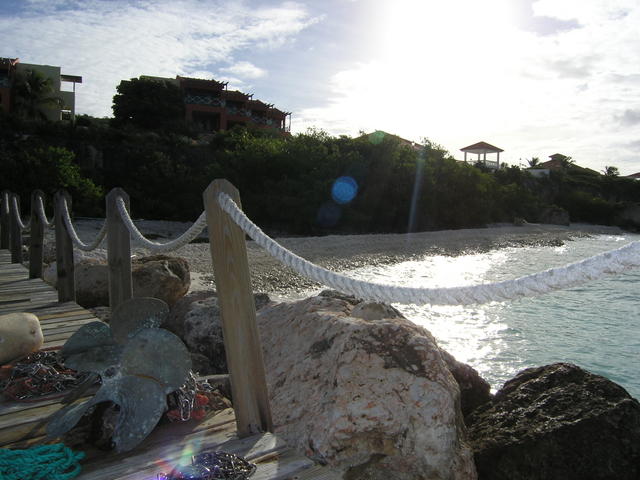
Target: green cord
x=46, y=462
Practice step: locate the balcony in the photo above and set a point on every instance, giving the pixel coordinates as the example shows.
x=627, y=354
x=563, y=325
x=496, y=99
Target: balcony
x=204, y=100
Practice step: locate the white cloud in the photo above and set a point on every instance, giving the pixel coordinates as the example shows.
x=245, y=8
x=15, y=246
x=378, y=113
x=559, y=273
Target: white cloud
x=459, y=81
x=244, y=70
x=106, y=42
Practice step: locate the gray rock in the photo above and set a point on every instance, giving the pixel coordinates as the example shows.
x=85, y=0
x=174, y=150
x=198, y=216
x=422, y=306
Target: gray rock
x=557, y=422
x=196, y=320
x=159, y=276
x=474, y=390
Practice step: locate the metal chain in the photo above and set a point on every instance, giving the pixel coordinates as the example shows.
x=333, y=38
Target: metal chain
x=183, y=402
x=212, y=466
x=39, y=374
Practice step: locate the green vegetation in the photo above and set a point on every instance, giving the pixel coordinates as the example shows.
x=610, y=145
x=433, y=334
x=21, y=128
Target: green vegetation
x=286, y=181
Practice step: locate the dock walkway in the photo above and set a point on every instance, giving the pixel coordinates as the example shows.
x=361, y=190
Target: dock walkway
x=22, y=423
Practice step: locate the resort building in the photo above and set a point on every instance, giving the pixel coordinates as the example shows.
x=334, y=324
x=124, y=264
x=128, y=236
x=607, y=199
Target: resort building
x=12, y=71
x=209, y=104
x=481, y=149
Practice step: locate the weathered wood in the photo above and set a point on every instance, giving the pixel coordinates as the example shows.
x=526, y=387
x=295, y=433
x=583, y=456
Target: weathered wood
x=64, y=251
x=36, y=240
x=238, y=314
x=16, y=231
x=5, y=222
x=118, y=251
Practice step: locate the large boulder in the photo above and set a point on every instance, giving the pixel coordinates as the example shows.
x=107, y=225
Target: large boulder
x=555, y=215
x=371, y=396
x=195, y=318
x=158, y=276
x=557, y=422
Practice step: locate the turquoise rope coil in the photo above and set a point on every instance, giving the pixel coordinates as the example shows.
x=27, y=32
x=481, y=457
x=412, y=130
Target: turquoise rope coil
x=45, y=462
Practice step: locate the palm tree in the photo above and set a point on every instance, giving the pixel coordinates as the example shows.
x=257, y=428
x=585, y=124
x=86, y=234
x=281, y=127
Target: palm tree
x=33, y=94
x=611, y=171
x=533, y=162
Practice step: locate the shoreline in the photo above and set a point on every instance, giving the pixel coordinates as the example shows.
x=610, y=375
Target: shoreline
x=345, y=252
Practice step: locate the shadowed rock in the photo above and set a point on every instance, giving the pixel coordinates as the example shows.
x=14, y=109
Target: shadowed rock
x=557, y=422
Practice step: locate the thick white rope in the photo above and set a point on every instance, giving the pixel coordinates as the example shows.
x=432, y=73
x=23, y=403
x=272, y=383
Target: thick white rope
x=193, y=231
x=42, y=215
x=614, y=261
x=21, y=224
x=73, y=234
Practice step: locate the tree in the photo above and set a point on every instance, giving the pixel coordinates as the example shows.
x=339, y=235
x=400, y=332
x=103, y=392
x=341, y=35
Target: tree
x=611, y=171
x=148, y=103
x=534, y=161
x=33, y=95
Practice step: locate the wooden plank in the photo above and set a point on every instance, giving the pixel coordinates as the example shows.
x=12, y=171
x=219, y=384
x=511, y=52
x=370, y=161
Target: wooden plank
x=238, y=314
x=118, y=251
x=36, y=240
x=64, y=250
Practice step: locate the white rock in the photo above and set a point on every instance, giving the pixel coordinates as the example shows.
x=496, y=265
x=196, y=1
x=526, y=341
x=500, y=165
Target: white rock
x=20, y=334
x=371, y=397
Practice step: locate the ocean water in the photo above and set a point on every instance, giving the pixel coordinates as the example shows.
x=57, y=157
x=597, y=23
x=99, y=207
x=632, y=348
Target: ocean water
x=596, y=326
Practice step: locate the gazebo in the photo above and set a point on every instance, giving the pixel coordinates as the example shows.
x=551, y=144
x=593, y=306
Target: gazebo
x=482, y=148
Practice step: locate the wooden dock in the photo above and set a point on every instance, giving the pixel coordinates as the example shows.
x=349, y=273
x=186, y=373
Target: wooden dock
x=22, y=423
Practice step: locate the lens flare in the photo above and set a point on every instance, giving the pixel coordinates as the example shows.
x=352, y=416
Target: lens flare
x=344, y=190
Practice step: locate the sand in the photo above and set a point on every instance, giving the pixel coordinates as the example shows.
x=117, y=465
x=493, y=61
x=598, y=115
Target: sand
x=345, y=252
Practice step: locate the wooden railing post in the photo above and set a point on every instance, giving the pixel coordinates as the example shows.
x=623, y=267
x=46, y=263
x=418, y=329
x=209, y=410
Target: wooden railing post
x=64, y=251
x=238, y=313
x=5, y=222
x=118, y=251
x=16, y=231
x=36, y=239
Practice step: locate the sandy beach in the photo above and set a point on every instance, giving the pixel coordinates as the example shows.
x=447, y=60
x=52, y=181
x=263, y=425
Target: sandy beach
x=345, y=252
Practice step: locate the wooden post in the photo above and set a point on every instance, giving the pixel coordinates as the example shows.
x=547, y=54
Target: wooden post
x=118, y=251
x=5, y=222
x=16, y=231
x=238, y=313
x=64, y=251
x=36, y=240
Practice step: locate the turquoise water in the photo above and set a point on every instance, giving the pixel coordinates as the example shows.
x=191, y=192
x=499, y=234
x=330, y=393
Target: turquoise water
x=596, y=326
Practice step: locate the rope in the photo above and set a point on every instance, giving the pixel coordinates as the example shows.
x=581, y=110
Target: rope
x=74, y=236
x=41, y=213
x=193, y=231
x=614, y=261
x=46, y=462
x=21, y=224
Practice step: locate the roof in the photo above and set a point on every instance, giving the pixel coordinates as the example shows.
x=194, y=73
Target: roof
x=634, y=175
x=259, y=105
x=481, y=147
x=378, y=135
x=557, y=155
x=201, y=83
x=236, y=95
x=71, y=78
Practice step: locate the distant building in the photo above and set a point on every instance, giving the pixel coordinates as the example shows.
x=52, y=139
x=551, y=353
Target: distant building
x=635, y=176
x=558, y=162
x=10, y=68
x=481, y=149
x=377, y=136
x=209, y=104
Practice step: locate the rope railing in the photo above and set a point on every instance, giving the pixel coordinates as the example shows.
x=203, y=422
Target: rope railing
x=615, y=261
x=86, y=247
x=23, y=225
x=42, y=214
x=188, y=236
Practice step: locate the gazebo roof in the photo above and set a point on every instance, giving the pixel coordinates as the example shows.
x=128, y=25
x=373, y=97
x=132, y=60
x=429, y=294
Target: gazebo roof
x=481, y=147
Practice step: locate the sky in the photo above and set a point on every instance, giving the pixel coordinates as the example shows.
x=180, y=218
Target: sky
x=533, y=77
